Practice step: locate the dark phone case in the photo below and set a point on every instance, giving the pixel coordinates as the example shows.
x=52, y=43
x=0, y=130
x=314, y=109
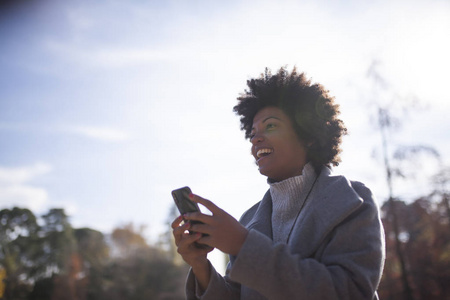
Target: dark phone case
x=185, y=205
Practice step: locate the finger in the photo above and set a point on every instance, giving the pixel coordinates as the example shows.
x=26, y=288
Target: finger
x=176, y=223
x=179, y=231
x=202, y=228
x=209, y=249
x=201, y=244
x=182, y=228
x=206, y=203
x=205, y=240
x=197, y=216
x=188, y=240
x=204, y=247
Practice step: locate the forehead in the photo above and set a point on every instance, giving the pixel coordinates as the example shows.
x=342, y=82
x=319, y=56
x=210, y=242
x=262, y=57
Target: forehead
x=268, y=113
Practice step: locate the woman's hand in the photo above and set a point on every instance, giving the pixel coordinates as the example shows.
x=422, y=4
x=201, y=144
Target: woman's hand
x=223, y=231
x=191, y=253
x=187, y=243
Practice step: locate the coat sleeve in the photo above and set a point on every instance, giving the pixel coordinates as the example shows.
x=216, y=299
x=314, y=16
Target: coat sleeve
x=347, y=265
x=219, y=287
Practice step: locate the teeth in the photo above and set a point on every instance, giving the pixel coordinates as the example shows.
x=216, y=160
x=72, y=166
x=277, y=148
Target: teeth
x=263, y=151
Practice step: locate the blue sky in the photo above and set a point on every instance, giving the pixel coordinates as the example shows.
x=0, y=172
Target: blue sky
x=106, y=107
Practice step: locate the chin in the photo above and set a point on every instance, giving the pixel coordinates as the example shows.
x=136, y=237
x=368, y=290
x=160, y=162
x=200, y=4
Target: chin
x=267, y=174
x=263, y=173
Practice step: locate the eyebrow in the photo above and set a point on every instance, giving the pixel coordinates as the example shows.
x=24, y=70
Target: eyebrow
x=271, y=117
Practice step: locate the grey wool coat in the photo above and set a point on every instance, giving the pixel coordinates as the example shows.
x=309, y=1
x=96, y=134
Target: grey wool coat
x=335, y=251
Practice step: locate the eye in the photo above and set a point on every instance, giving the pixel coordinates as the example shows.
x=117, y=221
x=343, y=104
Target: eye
x=270, y=126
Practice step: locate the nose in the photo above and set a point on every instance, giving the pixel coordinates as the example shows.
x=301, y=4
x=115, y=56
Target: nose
x=256, y=138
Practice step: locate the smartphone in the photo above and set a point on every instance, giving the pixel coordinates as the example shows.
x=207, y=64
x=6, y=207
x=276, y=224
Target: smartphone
x=186, y=205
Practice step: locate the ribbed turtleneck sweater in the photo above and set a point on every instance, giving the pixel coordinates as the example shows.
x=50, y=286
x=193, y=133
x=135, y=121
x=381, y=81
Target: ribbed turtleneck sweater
x=287, y=202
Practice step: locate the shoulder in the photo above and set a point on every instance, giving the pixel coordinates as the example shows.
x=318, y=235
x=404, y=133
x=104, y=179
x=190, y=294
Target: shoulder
x=330, y=184
x=337, y=197
x=362, y=190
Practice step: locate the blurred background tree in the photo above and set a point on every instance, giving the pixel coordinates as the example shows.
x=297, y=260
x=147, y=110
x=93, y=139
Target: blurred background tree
x=19, y=248
x=425, y=244
x=417, y=237
x=55, y=261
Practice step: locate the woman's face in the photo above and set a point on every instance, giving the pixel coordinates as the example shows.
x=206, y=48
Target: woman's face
x=278, y=151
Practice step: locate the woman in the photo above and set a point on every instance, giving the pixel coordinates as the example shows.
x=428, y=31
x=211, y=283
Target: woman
x=313, y=235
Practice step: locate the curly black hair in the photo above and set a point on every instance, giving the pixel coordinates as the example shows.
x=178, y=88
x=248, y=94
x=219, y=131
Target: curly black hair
x=313, y=112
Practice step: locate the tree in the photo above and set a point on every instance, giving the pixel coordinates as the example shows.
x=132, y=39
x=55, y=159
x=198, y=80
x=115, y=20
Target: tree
x=128, y=240
x=18, y=227
x=93, y=252
x=386, y=123
x=60, y=243
x=166, y=239
x=425, y=242
x=140, y=271
x=442, y=190
x=58, y=259
x=54, y=261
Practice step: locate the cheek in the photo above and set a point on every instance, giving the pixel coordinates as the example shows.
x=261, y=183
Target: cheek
x=252, y=150
x=295, y=151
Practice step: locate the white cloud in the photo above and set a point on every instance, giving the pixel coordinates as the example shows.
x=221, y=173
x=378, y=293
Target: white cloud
x=101, y=133
x=15, y=189
x=104, y=57
x=95, y=132
x=15, y=176
x=23, y=196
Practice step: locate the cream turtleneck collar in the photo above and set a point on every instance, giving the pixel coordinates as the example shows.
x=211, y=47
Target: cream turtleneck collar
x=287, y=201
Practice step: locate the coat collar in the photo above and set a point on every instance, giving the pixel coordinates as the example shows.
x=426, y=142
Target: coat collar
x=262, y=219
x=331, y=200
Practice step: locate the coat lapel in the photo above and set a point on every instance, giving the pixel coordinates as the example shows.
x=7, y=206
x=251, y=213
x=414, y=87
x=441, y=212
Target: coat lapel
x=331, y=200
x=262, y=219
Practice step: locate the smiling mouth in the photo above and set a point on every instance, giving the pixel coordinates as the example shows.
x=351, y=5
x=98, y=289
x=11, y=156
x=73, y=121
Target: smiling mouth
x=263, y=152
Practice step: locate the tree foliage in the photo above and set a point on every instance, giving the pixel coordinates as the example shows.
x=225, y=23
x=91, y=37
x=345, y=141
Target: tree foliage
x=425, y=242
x=405, y=224
x=46, y=258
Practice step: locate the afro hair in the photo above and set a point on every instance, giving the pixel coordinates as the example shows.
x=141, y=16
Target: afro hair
x=313, y=112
